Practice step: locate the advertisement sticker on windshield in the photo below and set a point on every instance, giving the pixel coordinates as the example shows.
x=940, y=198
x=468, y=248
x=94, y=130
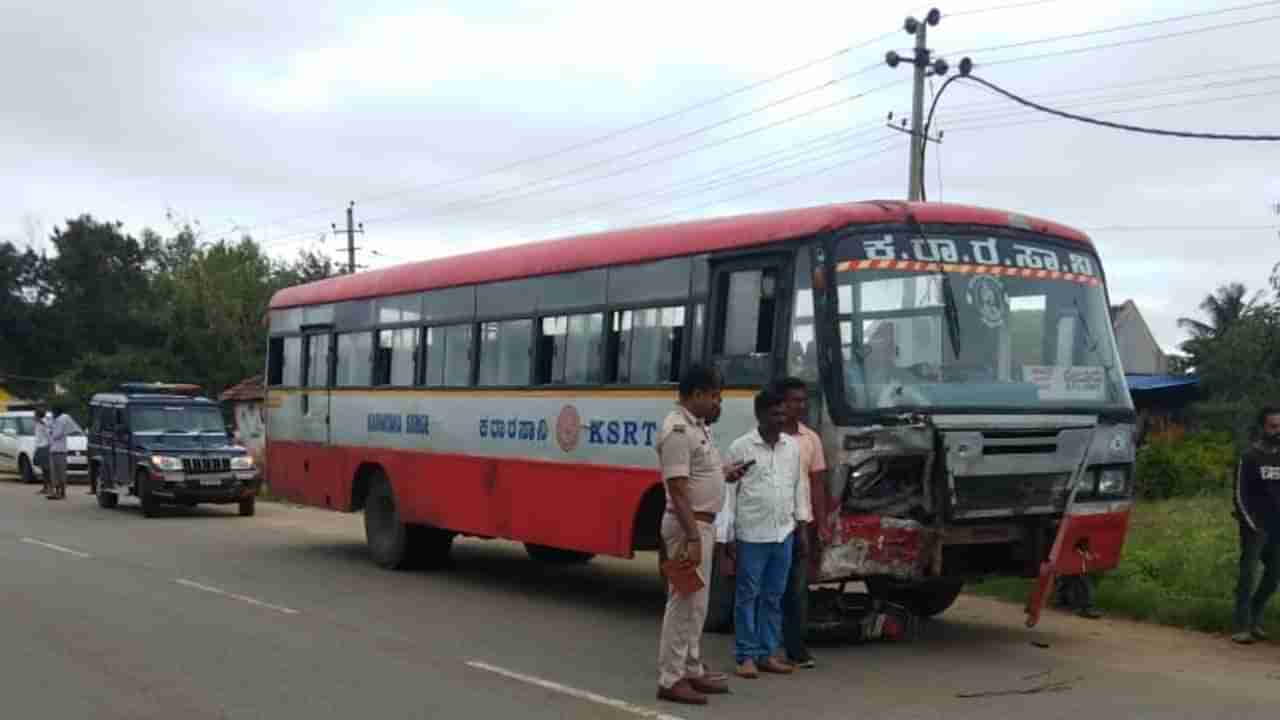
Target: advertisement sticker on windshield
x=1077, y=383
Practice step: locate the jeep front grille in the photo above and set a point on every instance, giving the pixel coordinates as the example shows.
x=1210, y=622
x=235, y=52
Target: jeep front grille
x=202, y=466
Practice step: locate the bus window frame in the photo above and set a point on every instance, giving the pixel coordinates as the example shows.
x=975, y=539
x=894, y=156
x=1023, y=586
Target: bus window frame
x=780, y=256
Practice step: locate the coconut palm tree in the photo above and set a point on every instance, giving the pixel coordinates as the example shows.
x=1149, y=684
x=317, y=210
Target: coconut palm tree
x=1222, y=309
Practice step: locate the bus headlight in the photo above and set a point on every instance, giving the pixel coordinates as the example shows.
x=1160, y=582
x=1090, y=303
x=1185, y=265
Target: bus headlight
x=1113, y=481
x=167, y=463
x=242, y=462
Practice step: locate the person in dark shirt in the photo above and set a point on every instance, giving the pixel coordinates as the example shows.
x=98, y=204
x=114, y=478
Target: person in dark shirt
x=1257, y=507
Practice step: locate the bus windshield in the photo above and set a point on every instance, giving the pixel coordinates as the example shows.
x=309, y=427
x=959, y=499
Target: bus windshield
x=973, y=322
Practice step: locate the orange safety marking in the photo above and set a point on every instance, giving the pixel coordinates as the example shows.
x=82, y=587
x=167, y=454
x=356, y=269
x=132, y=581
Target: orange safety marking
x=970, y=269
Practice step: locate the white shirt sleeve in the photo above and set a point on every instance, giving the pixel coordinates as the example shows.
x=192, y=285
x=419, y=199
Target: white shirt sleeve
x=804, y=504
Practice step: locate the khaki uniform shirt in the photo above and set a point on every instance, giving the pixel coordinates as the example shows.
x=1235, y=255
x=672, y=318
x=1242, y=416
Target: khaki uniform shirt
x=685, y=449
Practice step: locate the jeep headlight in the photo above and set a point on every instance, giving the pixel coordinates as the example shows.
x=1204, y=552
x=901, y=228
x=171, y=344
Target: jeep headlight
x=1113, y=481
x=242, y=462
x=166, y=463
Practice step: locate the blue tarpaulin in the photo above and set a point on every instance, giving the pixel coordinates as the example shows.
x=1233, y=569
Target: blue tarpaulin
x=1147, y=383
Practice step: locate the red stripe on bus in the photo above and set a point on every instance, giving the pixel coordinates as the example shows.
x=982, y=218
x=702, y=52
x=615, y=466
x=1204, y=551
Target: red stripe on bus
x=576, y=506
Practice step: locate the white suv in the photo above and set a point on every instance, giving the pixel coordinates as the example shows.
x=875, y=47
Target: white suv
x=18, y=448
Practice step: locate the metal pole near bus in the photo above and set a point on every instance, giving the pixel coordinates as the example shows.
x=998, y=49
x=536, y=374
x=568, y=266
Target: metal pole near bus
x=922, y=64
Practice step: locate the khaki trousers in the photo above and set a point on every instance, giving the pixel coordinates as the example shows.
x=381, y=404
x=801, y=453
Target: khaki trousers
x=680, y=647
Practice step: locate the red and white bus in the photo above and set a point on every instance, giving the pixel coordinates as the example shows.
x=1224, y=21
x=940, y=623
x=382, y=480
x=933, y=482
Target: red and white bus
x=964, y=380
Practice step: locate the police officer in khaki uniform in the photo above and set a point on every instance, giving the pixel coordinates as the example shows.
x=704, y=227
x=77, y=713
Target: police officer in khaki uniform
x=694, y=478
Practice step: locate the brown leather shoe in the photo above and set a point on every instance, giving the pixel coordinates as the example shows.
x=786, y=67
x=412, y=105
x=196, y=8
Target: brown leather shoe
x=709, y=685
x=747, y=669
x=775, y=666
x=682, y=692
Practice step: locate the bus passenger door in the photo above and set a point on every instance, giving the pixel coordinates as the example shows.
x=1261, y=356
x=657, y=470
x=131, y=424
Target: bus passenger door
x=314, y=467
x=750, y=304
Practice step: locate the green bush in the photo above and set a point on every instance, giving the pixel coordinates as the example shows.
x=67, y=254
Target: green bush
x=1197, y=464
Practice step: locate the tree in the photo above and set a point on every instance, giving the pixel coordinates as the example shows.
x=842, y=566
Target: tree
x=1223, y=309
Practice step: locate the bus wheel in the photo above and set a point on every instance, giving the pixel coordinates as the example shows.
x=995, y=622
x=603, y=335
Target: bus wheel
x=925, y=599
x=429, y=547
x=386, y=535
x=557, y=556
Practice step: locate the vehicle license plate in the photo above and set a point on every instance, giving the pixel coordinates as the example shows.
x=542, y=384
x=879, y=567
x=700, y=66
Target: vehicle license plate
x=211, y=482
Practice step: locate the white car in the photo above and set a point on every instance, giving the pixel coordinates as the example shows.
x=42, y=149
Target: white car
x=18, y=448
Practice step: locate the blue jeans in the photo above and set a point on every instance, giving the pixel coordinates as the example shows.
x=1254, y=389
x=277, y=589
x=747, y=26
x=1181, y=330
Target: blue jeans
x=757, y=605
x=1256, y=546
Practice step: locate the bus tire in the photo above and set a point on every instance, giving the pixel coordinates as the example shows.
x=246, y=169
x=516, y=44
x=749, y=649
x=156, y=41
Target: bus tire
x=429, y=547
x=925, y=599
x=386, y=535
x=557, y=556
x=150, y=505
x=720, y=600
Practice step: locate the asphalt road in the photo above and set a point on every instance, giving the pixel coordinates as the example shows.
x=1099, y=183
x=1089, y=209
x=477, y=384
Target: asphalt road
x=203, y=614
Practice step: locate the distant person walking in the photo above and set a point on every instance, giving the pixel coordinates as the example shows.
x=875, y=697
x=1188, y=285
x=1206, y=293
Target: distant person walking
x=41, y=458
x=63, y=427
x=1257, y=507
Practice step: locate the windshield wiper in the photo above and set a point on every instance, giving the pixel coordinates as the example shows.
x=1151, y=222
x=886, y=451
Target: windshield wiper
x=949, y=308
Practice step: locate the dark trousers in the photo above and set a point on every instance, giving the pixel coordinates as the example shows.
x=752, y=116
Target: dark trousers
x=795, y=606
x=1256, y=546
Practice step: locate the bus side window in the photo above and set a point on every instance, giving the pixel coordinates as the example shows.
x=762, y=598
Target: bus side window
x=275, y=362
x=569, y=349
x=646, y=345
x=747, y=301
x=505, y=350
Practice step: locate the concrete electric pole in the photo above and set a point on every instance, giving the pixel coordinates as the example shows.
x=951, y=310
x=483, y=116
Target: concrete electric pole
x=923, y=67
x=351, y=231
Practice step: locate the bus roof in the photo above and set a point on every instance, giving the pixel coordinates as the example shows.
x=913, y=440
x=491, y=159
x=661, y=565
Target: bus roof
x=618, y=247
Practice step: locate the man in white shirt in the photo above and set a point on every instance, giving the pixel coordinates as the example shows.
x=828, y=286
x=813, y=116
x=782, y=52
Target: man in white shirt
x=42, y=450
x=765, y=508
x=63, y=427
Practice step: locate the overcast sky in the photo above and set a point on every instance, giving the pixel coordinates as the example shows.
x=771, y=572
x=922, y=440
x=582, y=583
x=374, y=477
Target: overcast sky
x=271, y=115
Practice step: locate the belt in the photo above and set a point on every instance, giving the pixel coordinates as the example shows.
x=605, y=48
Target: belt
x=705, y=516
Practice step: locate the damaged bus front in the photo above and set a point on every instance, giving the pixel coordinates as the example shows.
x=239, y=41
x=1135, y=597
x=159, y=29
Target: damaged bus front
x=978, y=414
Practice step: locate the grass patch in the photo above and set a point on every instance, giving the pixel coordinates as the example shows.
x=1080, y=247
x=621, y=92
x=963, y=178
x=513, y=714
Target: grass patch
x=1178, y=568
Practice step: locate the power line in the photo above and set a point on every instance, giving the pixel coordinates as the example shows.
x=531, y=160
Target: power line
x=1122, y=126
x=734, y=170
x=599, y=139
x=1133, y=41
x=1118, y=28
x=485, y=201
x=1163, y=106
x=666, y=195
x=1111, y=99
x=786, y=181
x=997, y=8
x=1159, y=80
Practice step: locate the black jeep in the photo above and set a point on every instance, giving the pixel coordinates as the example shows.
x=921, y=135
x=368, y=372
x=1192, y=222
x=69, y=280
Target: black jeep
x=164, y=443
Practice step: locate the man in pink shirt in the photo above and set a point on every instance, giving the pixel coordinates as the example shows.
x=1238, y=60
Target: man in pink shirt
x=813, y=465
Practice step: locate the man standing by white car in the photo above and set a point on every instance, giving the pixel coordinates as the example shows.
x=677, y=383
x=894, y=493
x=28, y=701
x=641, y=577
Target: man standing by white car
x=63, y=426
x=41, y=456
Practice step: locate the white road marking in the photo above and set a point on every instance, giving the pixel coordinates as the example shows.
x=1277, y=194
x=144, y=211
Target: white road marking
x=623, y=705
x=59, y=548
x=243, y=598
